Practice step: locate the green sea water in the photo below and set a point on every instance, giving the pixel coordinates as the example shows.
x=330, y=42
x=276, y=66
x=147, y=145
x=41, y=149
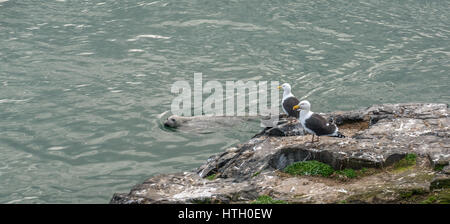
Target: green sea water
x=85, y=85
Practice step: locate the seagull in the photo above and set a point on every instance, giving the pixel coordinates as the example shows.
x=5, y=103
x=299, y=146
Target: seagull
x=289, y=101
x=314, y=123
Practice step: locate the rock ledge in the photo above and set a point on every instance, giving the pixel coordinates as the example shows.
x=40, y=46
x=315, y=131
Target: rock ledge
x=379, y=136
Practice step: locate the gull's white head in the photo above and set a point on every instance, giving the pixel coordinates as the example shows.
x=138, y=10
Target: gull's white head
x=303, y=105
x=285, y=87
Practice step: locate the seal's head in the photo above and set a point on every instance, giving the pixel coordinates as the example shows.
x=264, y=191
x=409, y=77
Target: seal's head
x=173, y=121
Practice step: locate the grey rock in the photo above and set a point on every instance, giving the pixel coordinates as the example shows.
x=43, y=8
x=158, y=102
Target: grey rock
x=446, y=170
x=379, y=136
x=440, y=181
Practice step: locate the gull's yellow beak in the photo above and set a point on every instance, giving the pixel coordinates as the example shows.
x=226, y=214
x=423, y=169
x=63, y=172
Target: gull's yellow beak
x=279, y=87
x=296, y=107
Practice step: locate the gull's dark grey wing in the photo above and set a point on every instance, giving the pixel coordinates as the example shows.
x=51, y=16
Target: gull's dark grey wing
x=288, y=104
x=319, y=125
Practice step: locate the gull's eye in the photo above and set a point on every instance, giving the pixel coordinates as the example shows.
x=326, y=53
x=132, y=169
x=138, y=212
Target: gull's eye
x=172, y=119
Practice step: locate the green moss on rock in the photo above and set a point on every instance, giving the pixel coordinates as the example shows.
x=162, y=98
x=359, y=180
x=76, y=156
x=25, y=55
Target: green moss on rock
x=439, y=167
x=256, y=174
x=211, y=177
x=265, y=199
x=438, y=197
x=309, y=168
x=440, y=182
x=408, y=194
x=349, y=173
x=430, y=200
x=202, y=201
x=407, y=162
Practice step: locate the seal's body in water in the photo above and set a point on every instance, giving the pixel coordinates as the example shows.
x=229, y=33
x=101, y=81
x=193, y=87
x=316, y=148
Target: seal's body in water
x=209, y=124
x=206, y=124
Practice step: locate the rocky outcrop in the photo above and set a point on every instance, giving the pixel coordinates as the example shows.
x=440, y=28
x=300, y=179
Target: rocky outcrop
x=379, y=137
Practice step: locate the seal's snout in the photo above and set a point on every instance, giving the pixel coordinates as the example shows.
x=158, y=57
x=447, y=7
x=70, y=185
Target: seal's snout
x=171, y=122
x=166, y=124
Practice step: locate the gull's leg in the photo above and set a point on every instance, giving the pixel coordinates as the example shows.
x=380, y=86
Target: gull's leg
x=312, y=140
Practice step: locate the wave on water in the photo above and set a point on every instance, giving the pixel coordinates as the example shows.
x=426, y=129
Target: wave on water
x=13, y=100
x=148, y=36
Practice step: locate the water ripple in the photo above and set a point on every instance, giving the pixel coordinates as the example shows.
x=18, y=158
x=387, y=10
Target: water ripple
x=84, y=86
